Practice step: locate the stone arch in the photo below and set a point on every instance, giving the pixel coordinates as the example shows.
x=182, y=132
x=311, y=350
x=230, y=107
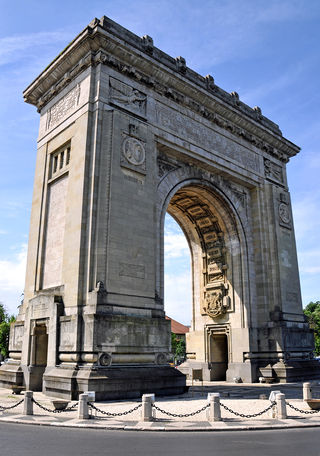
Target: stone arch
x=213, y=215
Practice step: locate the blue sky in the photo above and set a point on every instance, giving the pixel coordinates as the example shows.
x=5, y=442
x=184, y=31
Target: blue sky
x=267, y=51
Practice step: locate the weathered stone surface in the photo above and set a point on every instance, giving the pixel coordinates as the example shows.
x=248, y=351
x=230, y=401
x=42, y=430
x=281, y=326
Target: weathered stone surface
x=128, y=133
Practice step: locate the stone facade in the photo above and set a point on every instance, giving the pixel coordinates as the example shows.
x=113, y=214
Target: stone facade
x=128, y=133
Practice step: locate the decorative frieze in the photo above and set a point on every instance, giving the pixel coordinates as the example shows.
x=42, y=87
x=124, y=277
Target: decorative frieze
x=273, y=145
x=63, y=107
x=201, y=134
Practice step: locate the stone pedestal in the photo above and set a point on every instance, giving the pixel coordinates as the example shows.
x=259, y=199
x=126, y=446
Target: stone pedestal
x=11, y=374
x=117, y=382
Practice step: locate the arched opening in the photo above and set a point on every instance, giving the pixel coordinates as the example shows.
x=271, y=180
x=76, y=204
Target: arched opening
x=177, y=273
x=218, y=316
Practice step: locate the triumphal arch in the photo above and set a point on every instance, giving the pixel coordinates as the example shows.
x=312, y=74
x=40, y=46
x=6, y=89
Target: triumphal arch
x=127, y=134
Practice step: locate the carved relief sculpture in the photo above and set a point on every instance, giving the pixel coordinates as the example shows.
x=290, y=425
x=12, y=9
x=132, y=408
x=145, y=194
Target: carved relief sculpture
x=214, y=304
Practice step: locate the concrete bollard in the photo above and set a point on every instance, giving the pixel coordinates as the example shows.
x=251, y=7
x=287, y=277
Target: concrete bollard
x=307, y=391
x=281, y=406
x=28, y=404
x=83, y=408
x=146, y=410
x=214, y=409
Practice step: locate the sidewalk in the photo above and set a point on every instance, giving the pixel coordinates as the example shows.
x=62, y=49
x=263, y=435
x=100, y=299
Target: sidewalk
x=183, y=404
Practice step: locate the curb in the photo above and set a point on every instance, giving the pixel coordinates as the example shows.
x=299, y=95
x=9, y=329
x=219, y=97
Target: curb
x=210, y=428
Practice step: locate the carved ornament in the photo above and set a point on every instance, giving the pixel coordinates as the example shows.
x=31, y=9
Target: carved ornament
x=127, y=97
x=273, y=171
x=160, y=358
x=214, y=304
x=133, y=151
x=165, y=167
x=105, y=359
x=284, y=213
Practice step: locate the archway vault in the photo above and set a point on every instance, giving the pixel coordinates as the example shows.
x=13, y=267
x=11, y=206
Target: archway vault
x=219, y=258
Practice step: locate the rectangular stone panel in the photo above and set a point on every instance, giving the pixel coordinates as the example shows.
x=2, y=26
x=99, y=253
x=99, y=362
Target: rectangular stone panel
x=54, y=236
x=132, y=270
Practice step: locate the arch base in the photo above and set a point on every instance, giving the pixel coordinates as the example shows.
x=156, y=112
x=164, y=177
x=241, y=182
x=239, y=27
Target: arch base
x=115, y=382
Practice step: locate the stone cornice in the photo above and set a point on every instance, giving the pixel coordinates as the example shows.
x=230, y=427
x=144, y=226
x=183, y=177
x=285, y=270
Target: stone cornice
x=105, y=42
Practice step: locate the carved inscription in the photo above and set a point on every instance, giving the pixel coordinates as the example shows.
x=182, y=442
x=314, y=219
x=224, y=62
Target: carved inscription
x=18, y=336
x=291, y=296
x=40, y=309
x=66, y=333
x=131, y=270
x=201, y=135
x=63, y=107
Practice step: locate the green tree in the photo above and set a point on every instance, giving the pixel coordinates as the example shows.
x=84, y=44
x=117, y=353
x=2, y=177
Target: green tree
x=178, y=347
x=5, y=321
x=312, y=312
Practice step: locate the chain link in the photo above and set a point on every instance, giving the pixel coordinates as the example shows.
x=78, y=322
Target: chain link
x=67, y=409
x=253, y=415
x=2, y=408
x=181, y=415
x=306, y=412
x=114, y=414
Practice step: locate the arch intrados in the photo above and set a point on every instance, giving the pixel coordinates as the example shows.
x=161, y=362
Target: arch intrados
x=219, y=202
x=228, y=219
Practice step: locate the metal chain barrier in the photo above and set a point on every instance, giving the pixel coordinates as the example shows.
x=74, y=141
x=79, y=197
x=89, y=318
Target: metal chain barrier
x=180, y=415
x=67, y=409
x=2, y=408
x=253, y=415
x=114, y=414
x=306, y=412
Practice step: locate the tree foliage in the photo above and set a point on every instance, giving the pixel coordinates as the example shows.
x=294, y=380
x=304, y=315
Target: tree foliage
x=5, y=321
x=178, y=347
x=312, y=312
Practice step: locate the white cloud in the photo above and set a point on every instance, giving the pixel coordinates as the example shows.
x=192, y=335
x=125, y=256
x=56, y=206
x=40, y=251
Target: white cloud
x=309, y=261
x=12, y=48
x=177, y=280
x=177, y=297
x=306, y=216
x=12, y=277
x=175, y=245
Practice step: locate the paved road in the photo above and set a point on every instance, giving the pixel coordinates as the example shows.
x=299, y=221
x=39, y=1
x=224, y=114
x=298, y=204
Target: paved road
x=27, y=440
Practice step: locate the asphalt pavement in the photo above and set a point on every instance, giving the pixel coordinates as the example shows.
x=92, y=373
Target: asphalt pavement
x=18, y=440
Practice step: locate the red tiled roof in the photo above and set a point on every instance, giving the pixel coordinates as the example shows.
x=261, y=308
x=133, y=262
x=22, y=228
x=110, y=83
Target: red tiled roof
x=176, y=327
